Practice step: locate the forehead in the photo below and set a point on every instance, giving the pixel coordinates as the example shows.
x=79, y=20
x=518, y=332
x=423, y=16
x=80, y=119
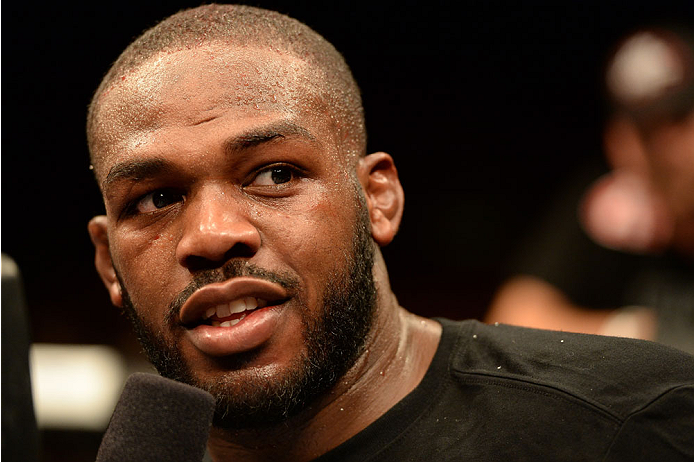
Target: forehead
x=186, y=88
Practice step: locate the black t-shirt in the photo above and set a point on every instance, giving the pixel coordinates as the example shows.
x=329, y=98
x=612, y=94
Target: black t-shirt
x=503, y=393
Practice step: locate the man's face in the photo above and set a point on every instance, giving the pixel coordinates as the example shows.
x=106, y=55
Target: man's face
x=234, y=224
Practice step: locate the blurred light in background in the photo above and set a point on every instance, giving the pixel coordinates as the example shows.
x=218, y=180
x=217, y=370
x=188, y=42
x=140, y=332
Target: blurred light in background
x=75, y=387
x=644, y=68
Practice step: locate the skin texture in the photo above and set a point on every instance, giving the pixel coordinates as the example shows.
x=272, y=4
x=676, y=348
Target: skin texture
x=203, y=125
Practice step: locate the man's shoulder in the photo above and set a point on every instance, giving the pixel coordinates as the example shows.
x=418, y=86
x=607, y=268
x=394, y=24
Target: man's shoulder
x=618, y=375
x=503, y=393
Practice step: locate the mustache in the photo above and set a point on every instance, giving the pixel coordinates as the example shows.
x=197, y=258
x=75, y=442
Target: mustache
x=231, y=269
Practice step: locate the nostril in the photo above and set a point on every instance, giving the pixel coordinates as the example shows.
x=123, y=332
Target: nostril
x=195, y=263
x=199, y=263
x=240, y=250
x=213, y=233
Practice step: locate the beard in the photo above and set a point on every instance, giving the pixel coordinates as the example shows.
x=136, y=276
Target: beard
x=334, y=338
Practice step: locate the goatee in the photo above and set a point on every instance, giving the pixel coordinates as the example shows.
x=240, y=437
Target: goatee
x=334, y=337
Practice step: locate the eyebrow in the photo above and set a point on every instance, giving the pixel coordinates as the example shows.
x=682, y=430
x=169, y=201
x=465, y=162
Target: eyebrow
x=257, y=136
x=135, y=170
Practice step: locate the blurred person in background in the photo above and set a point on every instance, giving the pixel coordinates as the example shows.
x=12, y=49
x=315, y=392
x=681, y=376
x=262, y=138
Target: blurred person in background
x=617, y=258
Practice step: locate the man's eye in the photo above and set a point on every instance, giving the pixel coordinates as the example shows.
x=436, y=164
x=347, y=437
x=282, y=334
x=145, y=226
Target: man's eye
x=158, y=200
x=273, y=176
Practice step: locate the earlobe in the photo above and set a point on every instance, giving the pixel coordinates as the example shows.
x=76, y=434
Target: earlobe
x=98, y=231
x=385, y=197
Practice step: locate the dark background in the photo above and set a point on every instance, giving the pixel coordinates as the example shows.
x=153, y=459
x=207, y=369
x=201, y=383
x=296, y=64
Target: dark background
x=486, y=106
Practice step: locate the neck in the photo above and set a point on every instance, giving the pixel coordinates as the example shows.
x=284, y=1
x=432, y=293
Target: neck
x=396, y=356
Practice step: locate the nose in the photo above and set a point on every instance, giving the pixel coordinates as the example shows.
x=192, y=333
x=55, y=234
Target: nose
x=216, y=228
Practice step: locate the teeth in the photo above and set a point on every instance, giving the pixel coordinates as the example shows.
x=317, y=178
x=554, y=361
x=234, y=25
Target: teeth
x=234, y=307
x=223, y=310
x=229, y=323
x=237, y=306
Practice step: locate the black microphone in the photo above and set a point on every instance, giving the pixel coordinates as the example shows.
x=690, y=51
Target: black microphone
x=158, y=419
x=20, y=435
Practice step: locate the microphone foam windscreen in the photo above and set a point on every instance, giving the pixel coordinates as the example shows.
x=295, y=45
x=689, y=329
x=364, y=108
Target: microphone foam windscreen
x=158, y=419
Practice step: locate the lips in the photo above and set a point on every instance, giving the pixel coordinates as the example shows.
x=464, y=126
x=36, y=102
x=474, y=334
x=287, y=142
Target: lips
x=233, y=297
x=213, y=315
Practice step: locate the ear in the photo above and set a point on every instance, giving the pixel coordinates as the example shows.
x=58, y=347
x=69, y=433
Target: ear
x=384, y=195
x=98, y=231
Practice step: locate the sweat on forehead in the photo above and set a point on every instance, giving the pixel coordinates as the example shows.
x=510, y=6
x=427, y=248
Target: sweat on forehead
x=243, y=27
x=188, y=87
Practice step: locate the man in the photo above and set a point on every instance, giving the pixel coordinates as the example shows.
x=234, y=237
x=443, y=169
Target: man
x=241, y=236
x=624, y=264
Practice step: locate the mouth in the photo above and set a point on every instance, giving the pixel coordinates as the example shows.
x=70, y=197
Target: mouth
x=228, y=303
x=234, y=316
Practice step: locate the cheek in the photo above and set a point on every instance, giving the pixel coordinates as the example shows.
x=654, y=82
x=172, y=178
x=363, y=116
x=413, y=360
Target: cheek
x=318, y=235
x=146, y=264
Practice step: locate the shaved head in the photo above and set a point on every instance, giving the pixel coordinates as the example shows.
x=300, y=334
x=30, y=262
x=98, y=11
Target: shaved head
x=238, y=27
